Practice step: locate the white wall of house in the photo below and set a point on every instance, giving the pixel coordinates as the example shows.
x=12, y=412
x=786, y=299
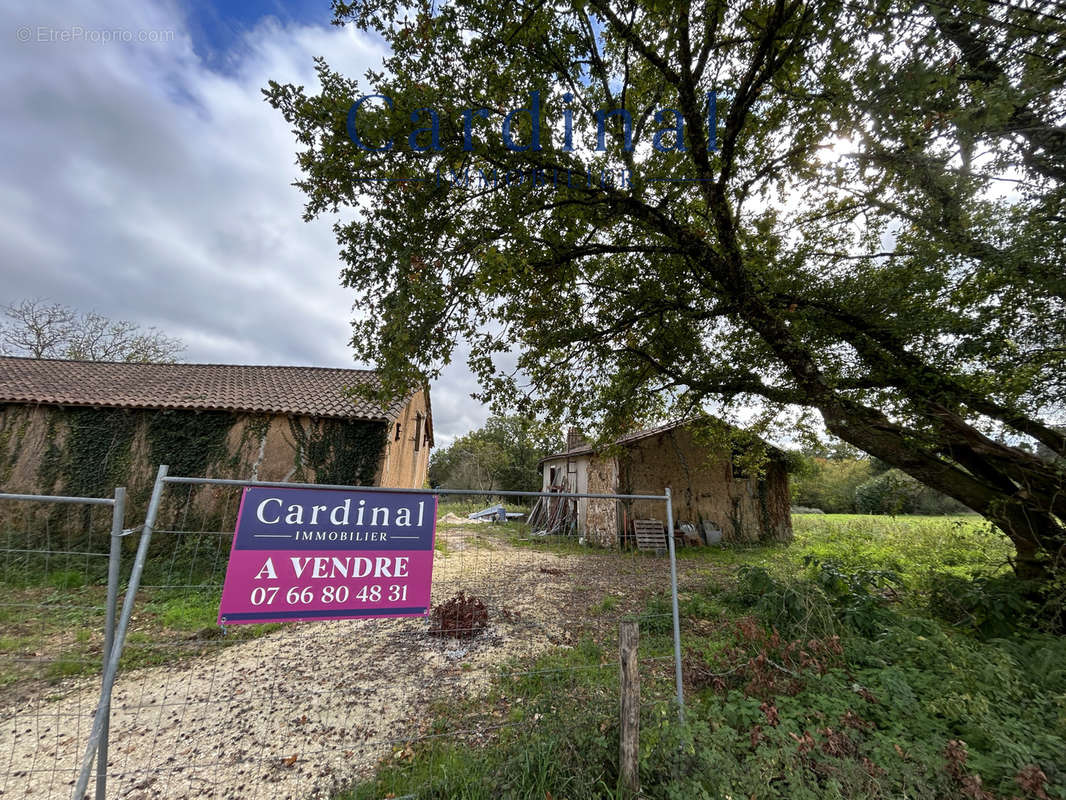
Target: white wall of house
x=576, y=473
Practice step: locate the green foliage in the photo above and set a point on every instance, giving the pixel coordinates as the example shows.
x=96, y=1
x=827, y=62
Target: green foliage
x=895, y=492
x=830, y=251
x=911, y=547
x=826, y=685
x=539, y=753
x=13, y=423
x=859, y=596
x=501, y=455
x=186, y=610
x=989, y=605
x=189, y=442
x=796, y=609
x=841, y=483
x=339, y=451
x=67, y=579
x=827, y=483
x=94, y=456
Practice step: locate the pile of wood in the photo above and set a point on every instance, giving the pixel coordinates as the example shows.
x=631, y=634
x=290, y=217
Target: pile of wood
x=553, y=516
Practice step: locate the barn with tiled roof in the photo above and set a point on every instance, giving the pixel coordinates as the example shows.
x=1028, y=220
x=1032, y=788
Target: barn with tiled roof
x=86, y=426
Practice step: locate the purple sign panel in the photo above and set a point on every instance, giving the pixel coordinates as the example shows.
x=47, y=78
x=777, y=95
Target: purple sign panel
x=302, y=554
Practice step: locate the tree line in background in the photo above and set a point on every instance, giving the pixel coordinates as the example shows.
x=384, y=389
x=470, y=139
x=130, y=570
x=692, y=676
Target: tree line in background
x=41, y=329
x=504, y=454
x=843, y=480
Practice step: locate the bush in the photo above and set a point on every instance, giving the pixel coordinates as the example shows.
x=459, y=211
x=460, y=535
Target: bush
x=987, y=605
x=795, y=609
x=829, y=483
x=895, y=492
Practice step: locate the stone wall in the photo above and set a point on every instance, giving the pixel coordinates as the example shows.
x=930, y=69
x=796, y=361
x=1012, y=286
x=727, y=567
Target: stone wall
x=601, y=516
x=405, y=462
x=88, y=452
x=704, y=488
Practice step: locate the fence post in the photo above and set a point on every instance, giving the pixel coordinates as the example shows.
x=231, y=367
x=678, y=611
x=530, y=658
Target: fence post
x=629, y=735
x=114, y=562
x=120, y=634
x=673, y=597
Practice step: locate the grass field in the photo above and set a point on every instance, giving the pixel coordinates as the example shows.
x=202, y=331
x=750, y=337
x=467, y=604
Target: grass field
x=913, y=547
x=872, y=657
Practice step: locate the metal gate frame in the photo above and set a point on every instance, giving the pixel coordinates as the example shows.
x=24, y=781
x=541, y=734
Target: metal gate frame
x=102, y=718
x=98, y=736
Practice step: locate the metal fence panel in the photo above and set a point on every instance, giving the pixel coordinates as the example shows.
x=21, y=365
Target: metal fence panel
x=300, y=710
x=59, y=566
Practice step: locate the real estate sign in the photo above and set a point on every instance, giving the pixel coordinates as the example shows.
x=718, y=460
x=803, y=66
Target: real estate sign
x=303, y=554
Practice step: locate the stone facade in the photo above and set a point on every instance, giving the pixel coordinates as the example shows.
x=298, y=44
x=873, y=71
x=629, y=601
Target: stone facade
x=405, y=462
x=707, y=489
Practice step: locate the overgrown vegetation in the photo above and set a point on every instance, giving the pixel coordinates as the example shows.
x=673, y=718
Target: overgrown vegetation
x=189, y=442
x=338, y=451
x=830, y=669
x=51, y=627
x=794, y=240
x=841, y=480
x=95, y=453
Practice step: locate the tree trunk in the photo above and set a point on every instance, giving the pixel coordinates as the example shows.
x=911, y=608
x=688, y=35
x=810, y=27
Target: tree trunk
x=1026, y=517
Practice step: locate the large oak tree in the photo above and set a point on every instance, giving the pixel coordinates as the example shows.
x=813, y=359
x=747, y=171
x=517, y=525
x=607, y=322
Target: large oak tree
x=874, y=232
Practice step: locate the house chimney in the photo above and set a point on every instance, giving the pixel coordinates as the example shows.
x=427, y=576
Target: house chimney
x=574, y=439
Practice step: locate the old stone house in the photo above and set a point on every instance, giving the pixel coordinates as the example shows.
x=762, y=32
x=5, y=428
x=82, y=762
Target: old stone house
x=82, y=428
x=711, y=491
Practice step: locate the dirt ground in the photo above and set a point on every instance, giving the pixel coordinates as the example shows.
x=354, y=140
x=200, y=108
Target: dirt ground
x=305, y=709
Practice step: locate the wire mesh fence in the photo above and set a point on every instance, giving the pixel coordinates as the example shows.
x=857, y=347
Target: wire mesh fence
x=58, y=569
x=526, y=633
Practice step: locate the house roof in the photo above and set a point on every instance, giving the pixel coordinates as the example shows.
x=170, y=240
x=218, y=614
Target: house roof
x=635, y=436
x=303, y=391
x=586, y=448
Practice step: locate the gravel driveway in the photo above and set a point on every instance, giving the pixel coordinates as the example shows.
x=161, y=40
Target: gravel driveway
x=305, y=709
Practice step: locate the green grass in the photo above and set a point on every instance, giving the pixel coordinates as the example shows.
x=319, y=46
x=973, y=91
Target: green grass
x=184, y=610
x=535, y=755
x=823, y=669
x=608, y=604
x=65, y=626
x=913, y=547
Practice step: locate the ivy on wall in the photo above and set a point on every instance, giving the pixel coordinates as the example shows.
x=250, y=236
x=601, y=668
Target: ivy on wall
x=90, y=451
x=339, y=451
x=189, y=442
x=12, y=434
x=95, y=455
x=254, y=432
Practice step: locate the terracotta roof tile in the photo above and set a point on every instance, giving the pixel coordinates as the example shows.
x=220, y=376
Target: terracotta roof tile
x=310, y=391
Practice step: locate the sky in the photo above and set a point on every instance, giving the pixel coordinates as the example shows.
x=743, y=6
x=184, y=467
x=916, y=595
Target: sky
x=143, y=177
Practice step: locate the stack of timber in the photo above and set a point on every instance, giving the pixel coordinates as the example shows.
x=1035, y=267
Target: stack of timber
x=554, y=515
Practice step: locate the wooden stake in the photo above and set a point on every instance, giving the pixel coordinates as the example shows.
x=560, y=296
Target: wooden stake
x=628, y=639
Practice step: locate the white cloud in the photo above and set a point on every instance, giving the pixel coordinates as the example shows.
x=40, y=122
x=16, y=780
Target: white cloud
x=139, y=183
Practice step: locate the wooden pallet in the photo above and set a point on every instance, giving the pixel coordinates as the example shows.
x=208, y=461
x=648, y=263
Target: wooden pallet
x=650, y=535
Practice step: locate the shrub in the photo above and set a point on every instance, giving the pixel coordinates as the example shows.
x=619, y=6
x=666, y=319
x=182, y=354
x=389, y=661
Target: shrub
x=795, y=609
x=987, y=605
x=895, y=492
